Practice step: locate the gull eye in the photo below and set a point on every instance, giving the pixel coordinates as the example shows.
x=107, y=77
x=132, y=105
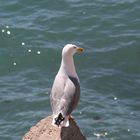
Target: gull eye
x=74, y=47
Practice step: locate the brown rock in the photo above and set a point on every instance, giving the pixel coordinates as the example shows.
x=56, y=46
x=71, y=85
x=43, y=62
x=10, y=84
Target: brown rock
x=43, y=130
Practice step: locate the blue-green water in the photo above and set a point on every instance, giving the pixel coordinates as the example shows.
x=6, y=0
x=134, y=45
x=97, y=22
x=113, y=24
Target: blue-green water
x=32, y=34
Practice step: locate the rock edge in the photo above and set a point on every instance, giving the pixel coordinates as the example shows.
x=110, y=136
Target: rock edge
x=43, y=130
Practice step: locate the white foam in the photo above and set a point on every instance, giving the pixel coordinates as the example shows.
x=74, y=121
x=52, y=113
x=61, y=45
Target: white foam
x=7, y=27
x=38, y=52
x=8, y=32
x=29, y=50
x=23, y=43
x=115, y=98
x=3, y=30
x=14, y=63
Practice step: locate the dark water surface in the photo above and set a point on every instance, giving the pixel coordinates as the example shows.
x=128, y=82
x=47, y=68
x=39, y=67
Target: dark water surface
x=32, y=34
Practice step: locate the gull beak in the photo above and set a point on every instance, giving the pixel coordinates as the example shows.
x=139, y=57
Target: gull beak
x=79, y=49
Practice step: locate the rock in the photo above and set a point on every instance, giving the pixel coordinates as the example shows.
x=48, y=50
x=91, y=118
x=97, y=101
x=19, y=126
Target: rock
x=43, y=130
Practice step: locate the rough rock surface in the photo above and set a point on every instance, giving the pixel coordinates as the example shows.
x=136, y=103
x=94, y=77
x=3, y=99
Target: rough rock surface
x=43, y=130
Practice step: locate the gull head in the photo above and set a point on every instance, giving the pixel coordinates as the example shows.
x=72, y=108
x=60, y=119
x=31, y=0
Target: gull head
x=71, y=49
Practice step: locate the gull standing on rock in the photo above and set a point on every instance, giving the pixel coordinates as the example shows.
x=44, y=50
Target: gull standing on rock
x=65, y=91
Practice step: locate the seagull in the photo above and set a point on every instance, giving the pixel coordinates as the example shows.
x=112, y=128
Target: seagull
x=65, y=91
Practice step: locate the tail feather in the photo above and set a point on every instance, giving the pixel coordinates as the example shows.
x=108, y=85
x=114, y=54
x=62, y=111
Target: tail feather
x=66, y=122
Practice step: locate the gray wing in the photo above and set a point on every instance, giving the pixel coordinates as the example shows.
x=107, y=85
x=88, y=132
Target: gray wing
x=65, y=95
x=71, y=96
